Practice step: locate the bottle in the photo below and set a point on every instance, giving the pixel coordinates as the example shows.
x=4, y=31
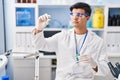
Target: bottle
x=118, y=20
x=114, y=22
x=98, y=18
x=110, y=21
x=5, y=78
x=23, y=1
x=34, y=1
x=89, y=23
x=18, y=1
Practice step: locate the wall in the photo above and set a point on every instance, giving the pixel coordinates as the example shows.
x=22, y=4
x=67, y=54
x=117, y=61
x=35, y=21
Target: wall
x=9, y=30
x=9, y=23
x=2, y=46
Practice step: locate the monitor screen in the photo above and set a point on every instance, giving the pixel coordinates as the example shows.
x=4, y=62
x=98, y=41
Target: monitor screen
x=114, y=17
x=25, y=17
x=50, y=33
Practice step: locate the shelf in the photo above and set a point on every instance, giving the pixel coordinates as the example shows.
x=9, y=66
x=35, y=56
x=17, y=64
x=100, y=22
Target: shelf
x=53, y=29
x=53, y=66
x=93, y=29
x=66, y=4
x=63, y=6
x=56, y=29
x=48, y=5
x=113, y=54
x=113, y=28
x=48, y=56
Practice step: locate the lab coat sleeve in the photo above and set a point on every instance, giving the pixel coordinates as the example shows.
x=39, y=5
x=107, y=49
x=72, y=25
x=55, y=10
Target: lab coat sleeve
x=103, y=69
x=45, y=44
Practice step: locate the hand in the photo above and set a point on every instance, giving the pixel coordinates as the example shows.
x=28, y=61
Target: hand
x=88, y=59
x=43, y=21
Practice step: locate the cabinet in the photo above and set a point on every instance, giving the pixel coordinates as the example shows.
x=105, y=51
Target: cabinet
x=24, y=68
x=112, y=29
x=112, y=33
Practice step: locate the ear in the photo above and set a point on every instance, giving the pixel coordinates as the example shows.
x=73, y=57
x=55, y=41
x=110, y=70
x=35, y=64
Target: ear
x=88, y=17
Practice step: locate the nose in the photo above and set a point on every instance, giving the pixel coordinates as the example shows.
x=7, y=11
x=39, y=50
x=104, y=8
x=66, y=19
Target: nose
x=74, y=16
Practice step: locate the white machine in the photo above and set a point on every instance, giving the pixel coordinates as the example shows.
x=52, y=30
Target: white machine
x=25, y=21
x=3, y=62
x=112, y=33
x=112, y=29
x=36, y=55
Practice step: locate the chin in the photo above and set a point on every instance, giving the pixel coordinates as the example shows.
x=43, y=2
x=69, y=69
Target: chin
x=75, y=25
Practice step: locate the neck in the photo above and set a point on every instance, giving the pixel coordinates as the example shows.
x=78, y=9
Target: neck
x=80, y=31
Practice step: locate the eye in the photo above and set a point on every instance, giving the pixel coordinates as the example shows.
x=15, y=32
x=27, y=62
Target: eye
x=78, y=14
x=71, y=13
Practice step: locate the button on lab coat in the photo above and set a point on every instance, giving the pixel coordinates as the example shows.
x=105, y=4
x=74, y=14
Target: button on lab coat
x=63, y=44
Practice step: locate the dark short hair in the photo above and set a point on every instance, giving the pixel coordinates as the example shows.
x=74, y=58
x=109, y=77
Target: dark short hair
x=81, y=5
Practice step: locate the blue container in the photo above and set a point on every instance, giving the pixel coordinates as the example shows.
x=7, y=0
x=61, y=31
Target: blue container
x=89, y=24
x=5, y=78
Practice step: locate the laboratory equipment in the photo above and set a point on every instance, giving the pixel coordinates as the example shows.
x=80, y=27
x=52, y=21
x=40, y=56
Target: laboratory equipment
x=118, y=66
x=5, y=78
x=25, y=21
x=98, y=18
x=3, y=62
x=22, y=67
x=112, y=30
x=115, y=70
x=34, y=66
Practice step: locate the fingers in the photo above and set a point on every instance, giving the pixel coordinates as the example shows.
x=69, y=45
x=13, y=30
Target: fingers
x=84, y=58
x=88, y=59
x=43, y=21
x=47, y=16
x=44, y=17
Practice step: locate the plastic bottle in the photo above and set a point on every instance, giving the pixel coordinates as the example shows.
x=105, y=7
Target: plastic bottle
x=5, y=78
x=114, y=20
x=110, y=21
x=89, y=23
x=118, y=20
x=98, y=18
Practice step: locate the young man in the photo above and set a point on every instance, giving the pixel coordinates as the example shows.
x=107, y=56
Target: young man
x=80, y=53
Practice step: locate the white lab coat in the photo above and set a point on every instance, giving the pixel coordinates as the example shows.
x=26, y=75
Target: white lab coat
x=63, y=44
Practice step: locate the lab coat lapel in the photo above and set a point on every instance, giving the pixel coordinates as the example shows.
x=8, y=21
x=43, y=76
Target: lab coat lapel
x=73, y=40
x=85, y=45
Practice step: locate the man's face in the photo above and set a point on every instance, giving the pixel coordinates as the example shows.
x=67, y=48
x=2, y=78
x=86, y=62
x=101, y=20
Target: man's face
x=79, y=18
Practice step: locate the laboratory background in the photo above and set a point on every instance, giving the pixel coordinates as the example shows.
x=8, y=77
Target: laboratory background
x=18, y=57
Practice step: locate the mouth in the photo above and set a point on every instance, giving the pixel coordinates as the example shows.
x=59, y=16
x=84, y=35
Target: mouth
x=75, y=22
